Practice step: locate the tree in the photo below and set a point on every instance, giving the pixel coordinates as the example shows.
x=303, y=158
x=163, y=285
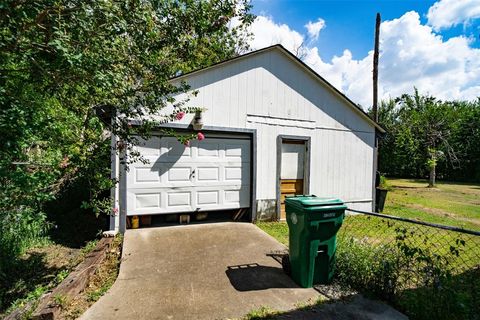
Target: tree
x=465, y=138
x=63, y=60
x=428, y=121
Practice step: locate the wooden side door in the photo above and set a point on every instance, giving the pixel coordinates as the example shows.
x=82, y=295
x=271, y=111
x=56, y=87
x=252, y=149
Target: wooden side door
x=292, y=172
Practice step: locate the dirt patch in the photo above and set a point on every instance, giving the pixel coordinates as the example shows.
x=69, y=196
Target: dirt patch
x=442, y=213
x=40, y=268
x=101, y=281
x=55, y=256
x=44, y=268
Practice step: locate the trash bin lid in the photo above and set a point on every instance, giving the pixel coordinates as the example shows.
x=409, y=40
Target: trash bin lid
x=316, y=208
x=310, y=201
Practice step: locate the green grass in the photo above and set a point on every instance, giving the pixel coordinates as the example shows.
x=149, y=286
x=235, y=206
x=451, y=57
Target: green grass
x=263, y=313
x=278, y=230
x=453, y=204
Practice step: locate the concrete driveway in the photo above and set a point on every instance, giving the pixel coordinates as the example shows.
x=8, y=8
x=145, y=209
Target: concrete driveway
x=204, y=271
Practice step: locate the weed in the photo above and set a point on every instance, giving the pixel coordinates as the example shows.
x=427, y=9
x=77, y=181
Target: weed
x=60, y=300
x=89, y=247
x=312, y=303
x=263, y=313
x=61, y=276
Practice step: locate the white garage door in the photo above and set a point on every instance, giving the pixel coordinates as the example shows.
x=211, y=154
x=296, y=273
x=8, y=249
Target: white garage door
x=212, y=174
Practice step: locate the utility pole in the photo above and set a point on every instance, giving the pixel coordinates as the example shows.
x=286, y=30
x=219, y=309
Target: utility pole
x=376, y=174
x=375, y=68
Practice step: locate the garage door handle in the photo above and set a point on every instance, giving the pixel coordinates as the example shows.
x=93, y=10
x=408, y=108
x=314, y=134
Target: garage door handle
x=192, y=175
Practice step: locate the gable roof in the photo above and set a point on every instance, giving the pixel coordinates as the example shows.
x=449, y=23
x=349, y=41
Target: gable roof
x=302, y=64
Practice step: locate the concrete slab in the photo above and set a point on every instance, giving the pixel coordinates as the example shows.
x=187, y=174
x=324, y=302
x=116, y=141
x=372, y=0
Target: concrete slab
x=206, y=271
x=355, y=307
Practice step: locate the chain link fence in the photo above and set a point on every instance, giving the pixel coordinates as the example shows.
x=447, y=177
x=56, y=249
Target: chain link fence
x=428, y=271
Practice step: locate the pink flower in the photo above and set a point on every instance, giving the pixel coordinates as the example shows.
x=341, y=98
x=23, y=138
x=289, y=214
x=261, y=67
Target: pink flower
x=180, y=115
x=115, y=211
x=200, y=136
x=187, y=143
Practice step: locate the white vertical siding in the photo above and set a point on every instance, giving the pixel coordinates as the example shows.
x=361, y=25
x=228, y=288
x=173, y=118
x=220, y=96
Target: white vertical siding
x=269, y=86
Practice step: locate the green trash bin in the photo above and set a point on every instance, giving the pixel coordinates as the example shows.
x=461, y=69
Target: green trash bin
x=313, y=224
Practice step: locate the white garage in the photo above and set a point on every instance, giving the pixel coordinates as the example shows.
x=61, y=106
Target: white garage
x=272, y=126
x=208, y=175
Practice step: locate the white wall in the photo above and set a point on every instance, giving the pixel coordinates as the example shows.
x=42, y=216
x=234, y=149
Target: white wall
x=271, y=93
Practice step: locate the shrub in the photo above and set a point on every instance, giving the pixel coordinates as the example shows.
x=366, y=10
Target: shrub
x=411, y=273
x=19, y=230
x=358, y=266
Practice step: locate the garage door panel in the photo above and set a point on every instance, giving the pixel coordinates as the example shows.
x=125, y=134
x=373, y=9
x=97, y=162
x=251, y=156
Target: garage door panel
x=232, y=196
x=148, y=200
x=179, y=198
x=233, y=173
x=210, y=174
x=213, y=174
x=240, y=196
x=173, y=151
x=237, y=151
x=177, y=174
x=209, y=149
x=237, y=173
x=146, y=175
x=143, y=177
x=208, y=198
x=144, y=201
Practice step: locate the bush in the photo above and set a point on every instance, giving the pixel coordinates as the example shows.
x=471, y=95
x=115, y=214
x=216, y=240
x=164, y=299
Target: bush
x=19, y=230
x=410, y=275
x=359, y=267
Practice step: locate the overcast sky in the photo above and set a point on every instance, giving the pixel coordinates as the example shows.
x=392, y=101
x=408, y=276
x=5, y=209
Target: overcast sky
x=432, y=45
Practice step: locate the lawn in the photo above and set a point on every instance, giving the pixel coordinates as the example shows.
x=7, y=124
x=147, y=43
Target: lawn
x=453, y=204
x=372, y=250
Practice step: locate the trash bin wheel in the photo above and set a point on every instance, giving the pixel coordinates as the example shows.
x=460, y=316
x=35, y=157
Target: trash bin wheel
x=287, y=268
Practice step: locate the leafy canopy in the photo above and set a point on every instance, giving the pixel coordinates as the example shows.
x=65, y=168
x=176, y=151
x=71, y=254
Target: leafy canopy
x=61, y=61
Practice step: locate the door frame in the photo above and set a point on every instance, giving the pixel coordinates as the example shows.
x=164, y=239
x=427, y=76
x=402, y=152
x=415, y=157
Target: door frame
x=306, y=166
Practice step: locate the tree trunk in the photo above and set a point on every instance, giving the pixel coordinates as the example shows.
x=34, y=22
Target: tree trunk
x=431, y=181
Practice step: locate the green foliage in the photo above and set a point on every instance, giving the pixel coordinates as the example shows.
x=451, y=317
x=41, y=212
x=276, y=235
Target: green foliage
x=60, y=300
x=425, y=134
x=33, y=295
x=38, y=289
x=384, y=183
x=19, y=230
x=425, y=272
x=89, y=247
x=410, y=272
x=66, y=66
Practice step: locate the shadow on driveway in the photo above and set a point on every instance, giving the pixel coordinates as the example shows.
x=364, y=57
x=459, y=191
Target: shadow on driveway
x=253, y=276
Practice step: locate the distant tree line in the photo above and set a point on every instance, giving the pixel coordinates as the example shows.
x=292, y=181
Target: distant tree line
x=430, y=138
